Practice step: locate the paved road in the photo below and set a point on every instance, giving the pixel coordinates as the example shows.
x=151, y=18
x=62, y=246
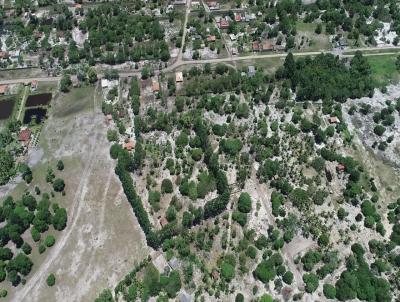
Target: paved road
x=180, y=62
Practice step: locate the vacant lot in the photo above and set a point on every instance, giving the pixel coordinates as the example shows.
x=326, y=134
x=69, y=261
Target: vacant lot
x=102, y=240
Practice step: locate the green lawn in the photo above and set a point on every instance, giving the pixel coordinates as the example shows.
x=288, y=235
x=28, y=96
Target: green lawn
x=384, y=69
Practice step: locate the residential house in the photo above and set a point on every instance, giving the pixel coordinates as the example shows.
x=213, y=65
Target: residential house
x=224, y=24
x=104, y=83
x=267, y=46
x=213, y=5
x=25, y=136
x=211, y=38
x=232, y=37
x=3, y=55
x=163, y=221
x=238, y=17
x=340, y=168
x=256, y=46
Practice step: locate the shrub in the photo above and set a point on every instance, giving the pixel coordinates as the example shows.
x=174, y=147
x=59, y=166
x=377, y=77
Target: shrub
x=379, y=130
x=244, y=203
x=49, y=241
x=166, y=186
x=51, y=280
x=58, y=185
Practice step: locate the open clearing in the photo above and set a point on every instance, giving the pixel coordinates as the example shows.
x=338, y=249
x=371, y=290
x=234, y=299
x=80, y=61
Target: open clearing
x=102, y=241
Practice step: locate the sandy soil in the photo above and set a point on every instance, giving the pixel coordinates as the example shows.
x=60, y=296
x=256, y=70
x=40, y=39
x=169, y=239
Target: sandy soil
x=102, y=241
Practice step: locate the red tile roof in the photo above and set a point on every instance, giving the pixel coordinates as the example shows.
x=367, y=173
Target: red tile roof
x=25, y=135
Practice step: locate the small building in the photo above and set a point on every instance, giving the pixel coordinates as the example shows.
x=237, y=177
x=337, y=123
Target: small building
x=211, y=38
x=25, y=135
x=278, y=47
x=251, y=71
x=77, y=6
x=163, y=221
x=343, y=42
x=224, y=24
x=34, y=84
x=179, y=2
x=109, y=118
x=213, y=5
x=129, y=145
x=238, y=17
x=184, y=297
x=256, y=46
x=267, y=46
x=179, y=77
x=3, y=89
x=232, y=37
x=215, y=275
x=104, y=83
x=234, y=51
x=174, y=263
x=155, y=86
x=3, y=55
x=334, y=120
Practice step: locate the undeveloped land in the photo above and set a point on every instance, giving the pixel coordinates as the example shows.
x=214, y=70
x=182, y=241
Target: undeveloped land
x=102, y=241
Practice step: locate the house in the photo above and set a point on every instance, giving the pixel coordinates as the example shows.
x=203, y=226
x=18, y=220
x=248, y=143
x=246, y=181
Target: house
x=78, y=6
x=129, y=145
x=25, y=135
x=213, y=5
x=334, y=120
x=238, y=17
x=266, y=46
x=343, y=42
x=223, y=24
x=251, y=71
x=232, y=37
x=109, y=118
x=256, y=46
x=155, y=86
x=3, y=55
x=278, y=47
x=179, y=2
x=234, y=51
x=340, y=168
x=3, y=89
x=179, y=77
x=211, y=38
x=34, y=84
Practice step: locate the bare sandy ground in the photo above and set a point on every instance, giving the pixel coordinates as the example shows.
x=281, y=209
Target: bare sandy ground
x=102, y=241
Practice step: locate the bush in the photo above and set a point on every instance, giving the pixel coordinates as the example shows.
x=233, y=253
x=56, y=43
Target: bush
x=115, y=150
x=58, y=185
x=166, y=186
x=239, y=297
x=49, y=241
x=329, y=291
x=35, y=234
x=288, y=277
x=51, y=280
x=60, y=165
x=379, y=130
x=311, y=281
x=196, y=153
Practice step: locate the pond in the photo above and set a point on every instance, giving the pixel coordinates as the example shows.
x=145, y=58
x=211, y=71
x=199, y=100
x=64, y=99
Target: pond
x=6, y=108
x=35, y=113
x=42, y=99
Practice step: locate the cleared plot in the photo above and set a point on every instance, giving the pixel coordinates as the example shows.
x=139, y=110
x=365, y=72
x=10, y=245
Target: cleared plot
x=102, y=241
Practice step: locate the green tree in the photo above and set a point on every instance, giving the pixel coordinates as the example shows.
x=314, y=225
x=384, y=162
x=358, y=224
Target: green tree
x=58, y=185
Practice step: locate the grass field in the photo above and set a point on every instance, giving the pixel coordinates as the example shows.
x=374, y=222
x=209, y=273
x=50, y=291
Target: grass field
x=316, y=42
x=384, y=69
